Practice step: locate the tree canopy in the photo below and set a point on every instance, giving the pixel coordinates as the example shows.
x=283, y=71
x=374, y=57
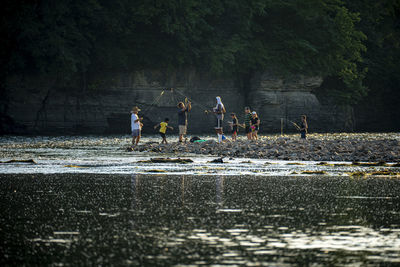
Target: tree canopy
x=328, y=38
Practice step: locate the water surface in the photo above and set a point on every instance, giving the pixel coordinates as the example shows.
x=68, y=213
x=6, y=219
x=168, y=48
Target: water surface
x=89, y=219
x=87, y=201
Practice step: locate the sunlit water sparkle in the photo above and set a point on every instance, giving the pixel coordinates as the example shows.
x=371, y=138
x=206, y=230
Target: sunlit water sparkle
x=111, y=210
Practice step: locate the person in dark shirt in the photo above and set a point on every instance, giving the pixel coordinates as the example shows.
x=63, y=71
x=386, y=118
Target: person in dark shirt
x=255, y=125
x=303, y=126
x=234, y=126
x=182, y=118
x=247, y=119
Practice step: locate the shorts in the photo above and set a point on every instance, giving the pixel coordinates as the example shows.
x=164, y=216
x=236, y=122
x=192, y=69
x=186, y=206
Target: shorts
x=247, y=129
x=136, y=133
x=182, y=129
x=256, y=129
x=162, y=135
x=218, y=123
x=303, y=135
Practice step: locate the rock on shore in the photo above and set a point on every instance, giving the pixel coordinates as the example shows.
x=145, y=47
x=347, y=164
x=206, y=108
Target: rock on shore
x=316, y=148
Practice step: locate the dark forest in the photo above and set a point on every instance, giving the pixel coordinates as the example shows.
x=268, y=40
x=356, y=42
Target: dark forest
x=353, y=45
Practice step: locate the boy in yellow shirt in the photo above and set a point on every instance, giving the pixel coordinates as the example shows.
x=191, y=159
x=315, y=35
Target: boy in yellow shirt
x=163, y=129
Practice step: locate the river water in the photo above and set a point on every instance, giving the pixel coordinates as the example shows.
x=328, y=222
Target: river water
x=87, y=201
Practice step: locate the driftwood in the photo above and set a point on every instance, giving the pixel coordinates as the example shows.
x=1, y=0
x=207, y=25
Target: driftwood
x=313, y=172
x=166, y=160
x=219, y=160
x=19, y=161
x=369, y=164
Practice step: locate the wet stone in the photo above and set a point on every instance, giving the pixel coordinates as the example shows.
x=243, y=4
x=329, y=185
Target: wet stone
x=319, y=147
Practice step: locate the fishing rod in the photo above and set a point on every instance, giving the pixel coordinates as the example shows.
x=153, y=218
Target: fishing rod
x=158, y=98
x=293, y=123
x=206, y=109
x=296, y=125
x=155, y=101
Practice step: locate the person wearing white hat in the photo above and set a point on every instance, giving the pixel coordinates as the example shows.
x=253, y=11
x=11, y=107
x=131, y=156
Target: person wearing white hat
x=136, y=126
x=219, y=111
x=254, y=125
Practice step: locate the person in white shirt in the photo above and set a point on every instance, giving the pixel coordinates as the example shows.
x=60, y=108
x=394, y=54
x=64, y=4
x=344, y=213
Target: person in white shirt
x=136, y=126
x=219, y=112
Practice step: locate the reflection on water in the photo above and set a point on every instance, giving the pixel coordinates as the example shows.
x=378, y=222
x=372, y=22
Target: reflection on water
x=92, y=219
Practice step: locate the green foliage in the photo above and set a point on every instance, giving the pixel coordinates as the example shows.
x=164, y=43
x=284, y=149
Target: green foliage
x=48, y=36
x=312, y=37
x=381, y=23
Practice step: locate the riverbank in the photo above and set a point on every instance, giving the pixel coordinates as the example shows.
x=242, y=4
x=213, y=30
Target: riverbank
x=350, y=147
x=318, y=147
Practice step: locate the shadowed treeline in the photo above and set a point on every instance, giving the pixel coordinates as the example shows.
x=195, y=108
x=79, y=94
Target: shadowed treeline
x=354, y=45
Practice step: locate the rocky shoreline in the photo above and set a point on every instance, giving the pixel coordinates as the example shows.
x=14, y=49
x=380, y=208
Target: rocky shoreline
x=316, y=148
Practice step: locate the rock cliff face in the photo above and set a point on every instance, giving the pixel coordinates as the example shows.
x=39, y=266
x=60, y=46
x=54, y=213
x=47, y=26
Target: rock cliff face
x=280, y=100
x=103, y=104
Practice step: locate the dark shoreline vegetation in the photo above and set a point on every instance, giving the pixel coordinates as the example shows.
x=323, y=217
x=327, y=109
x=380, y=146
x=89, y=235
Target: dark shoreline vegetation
x=353, y=45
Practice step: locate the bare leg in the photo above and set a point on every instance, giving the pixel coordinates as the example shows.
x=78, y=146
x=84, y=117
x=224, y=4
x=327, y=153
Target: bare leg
x=219, y=134
x=249, y=136
x=255, y=135
x=137, y=140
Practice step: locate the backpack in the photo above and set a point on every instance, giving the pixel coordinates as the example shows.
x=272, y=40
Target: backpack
x=194, y=138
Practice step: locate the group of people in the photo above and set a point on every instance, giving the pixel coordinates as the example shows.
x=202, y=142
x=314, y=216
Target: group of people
x=251, y=123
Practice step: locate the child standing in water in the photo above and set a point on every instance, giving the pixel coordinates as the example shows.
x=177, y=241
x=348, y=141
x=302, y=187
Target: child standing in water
x=136, y=126
x=255, y=125
x=163, y=129
x=303, y=126
x=234, y=125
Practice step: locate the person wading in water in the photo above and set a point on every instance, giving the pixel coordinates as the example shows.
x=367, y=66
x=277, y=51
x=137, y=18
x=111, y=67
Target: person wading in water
x=182, y=118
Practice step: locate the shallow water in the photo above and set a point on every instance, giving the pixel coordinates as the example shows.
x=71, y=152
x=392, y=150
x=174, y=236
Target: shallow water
x=107, y=154
x=107, y=209
x=88, y=219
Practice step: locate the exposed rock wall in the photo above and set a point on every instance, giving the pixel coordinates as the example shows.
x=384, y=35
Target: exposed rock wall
x=280, y=100
x=103, y=104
